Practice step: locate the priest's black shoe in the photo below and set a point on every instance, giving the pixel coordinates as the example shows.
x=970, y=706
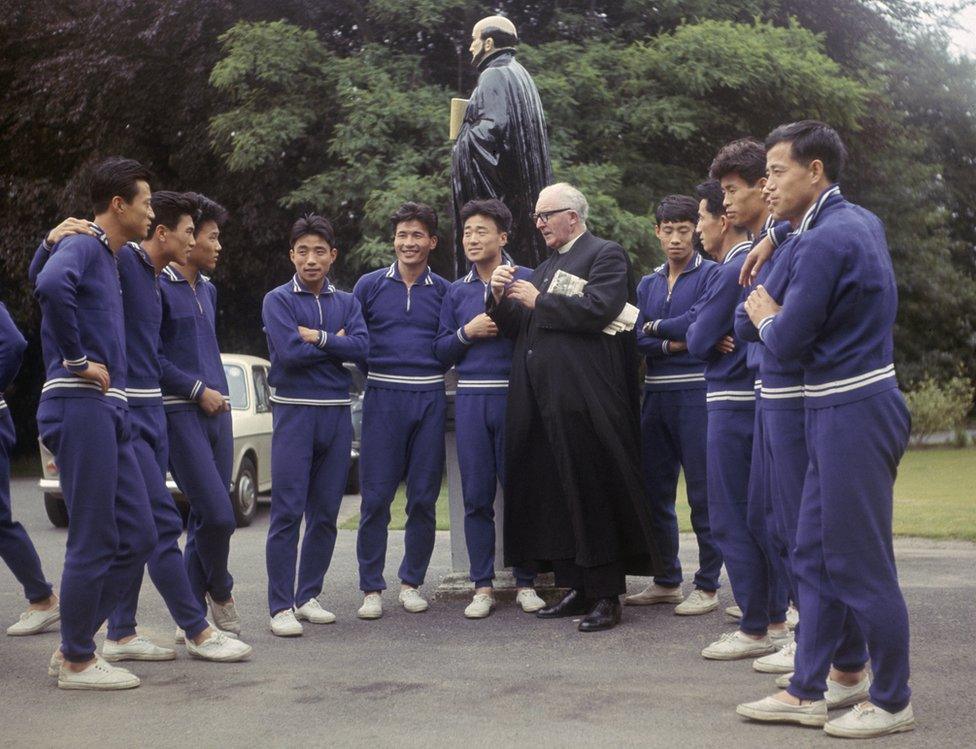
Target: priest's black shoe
x=604, y=615
x=571, y=604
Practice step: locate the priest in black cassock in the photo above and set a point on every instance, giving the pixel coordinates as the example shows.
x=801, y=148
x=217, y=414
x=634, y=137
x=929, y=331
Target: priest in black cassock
x=574, y=498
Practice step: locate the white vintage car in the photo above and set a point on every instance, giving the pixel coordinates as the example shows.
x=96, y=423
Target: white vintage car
x=250, y=402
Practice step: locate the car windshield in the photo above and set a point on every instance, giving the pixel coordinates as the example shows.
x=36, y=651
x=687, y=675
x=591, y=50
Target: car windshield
x=237, y=386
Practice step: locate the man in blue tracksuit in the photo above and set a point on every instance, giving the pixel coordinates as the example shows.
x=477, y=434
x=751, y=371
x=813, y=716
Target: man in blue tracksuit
x=404, y=408
x=836, y=318
x=784, y=438
x=730, y=400
x=740, y=169
x=198, y=420
x=170, y=240
x=312, y=328
x=83, y=419
x=16, y=548
x=469, y=340
x=673, y=416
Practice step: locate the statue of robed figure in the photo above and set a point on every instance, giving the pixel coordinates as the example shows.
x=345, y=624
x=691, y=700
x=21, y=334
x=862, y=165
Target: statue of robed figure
x=502, y=150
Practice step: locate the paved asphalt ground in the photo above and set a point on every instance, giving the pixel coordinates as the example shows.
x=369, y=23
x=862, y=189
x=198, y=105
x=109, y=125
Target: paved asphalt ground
x=436, y=679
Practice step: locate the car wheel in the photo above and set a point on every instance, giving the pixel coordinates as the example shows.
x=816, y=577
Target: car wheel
x=57, y=510
x=245, y=496
x=352, y=479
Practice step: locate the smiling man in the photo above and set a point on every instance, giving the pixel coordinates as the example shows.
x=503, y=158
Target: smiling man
x=673, y=416
x=469, y=339
x=574, y=498
x=404, y=408
x=312, y=328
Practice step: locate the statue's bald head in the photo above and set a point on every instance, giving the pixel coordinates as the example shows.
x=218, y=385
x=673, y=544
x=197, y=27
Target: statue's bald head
x=490, y=35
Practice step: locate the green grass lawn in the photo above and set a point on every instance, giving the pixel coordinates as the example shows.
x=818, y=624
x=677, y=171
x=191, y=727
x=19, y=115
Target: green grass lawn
x=935, y=497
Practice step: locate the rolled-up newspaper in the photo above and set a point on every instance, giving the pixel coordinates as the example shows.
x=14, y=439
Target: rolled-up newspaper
x=566, y=284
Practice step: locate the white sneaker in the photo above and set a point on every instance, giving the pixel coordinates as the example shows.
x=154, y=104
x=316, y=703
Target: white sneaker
x=792, y=617
x=866, y=721
x=529, y=600
x=735, y=645
x=781, y=639
x=225, y=616
x=284, y=624
x=780, y=662
x=480, y=606
x=734, y=611
x=698, y=602
x=313, y=612
x=772, y=710
x=220, y=648
x=54, y=665
x=139, y=648
x=839, y=695
x=412, y=600
x=653, y=594
x=372, y=607
x=99, y=676
x=180, y=637
x=35, y=621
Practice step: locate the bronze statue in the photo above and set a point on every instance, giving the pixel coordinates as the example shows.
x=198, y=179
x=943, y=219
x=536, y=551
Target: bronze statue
x=502, y=149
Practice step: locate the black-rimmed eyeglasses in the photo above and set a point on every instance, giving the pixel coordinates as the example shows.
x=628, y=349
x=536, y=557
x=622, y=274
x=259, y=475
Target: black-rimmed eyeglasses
x=544, y=216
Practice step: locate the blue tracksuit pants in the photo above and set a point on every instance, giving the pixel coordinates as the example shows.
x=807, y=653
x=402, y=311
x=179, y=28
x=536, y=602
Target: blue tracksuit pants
x=16, y=548
x=110, y=525
x=309, y=465
x=403, y=438
x=729, y=454
x=844, y=555
x=479, y=423
x=201, y=457
x=674, y=427
x=761, y=522
x=166, y=566
x=785, y=437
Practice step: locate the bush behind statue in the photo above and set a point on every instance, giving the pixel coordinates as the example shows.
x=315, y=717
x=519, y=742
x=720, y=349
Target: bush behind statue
x=938, y=406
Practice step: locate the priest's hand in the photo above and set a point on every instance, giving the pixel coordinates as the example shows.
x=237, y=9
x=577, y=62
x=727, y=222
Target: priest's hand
x=726, y=345
x=481, y=326
x=501, y=277
x=760, y=305
x=524, y=293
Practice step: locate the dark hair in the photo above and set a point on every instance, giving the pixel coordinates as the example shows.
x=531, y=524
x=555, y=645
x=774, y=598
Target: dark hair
x=711, y=192
x=809, y=140
x=676, y=208
x=116, y=176
x=493, y=208
x=312, y=223
x=168, y=207
x=745, y=157
x=416, y=212
x=206, y=210
x=502, y=38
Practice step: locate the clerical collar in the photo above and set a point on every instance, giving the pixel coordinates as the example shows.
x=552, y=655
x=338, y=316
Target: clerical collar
x=569, y=245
